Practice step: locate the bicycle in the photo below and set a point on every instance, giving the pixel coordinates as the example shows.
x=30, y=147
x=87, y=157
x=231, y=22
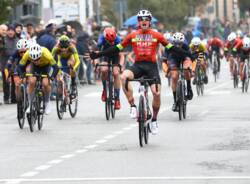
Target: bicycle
x=245, y=81
x=215, y=65
x=110, y=98
x=37, y=106
x=144, y=112
x=22, y=105
x=67, y=95
x=199, y=76
x=181, y=92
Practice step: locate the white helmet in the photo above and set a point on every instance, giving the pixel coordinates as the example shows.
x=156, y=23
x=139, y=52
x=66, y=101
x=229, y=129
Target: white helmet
x=178, y=37
x=35, y=51
x=144, y=13
x=196, y=41
x=232, y=36
x=22, y=44
x=246, y=43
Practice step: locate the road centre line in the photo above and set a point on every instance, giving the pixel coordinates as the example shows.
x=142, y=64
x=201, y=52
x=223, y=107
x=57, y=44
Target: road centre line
x=56, y=161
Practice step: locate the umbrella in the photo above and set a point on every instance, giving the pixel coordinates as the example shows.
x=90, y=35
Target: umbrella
x=132, y=21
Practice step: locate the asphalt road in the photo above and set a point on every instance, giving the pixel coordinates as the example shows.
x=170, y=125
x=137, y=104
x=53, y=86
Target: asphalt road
x=212, y=146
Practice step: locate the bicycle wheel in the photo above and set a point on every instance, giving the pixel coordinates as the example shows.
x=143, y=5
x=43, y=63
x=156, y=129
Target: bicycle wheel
x=21, y=107
x=60, y=105
x=215, y=68
x=32, y=116
x=111, y=100
x=184, y=109
x=40, y=109
x=73, y=101
x=179, y=94
x=141, y=120
x=235, y=81
x=107, y=105
x=146, y=133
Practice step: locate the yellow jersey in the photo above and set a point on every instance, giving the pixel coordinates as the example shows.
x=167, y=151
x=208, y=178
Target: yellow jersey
x=45, y=60
x=66, y=55
x=201, y=48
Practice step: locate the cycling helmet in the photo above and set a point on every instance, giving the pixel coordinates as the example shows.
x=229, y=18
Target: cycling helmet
x=196, y=41
x=22, y=44
x=178, y=37
x=246, y=43
x=144, y=13
x=64, y=41
x=109, y=34
x=35, y=51
x=232, y=36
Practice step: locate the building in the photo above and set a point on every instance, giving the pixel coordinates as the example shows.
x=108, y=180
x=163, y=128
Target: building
x=224, y=10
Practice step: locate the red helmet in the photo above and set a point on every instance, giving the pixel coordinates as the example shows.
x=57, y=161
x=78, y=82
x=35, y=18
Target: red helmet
x=109, y=34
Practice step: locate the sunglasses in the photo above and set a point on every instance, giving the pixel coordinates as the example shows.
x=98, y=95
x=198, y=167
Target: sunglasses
x=22, y=52
x=144, y=19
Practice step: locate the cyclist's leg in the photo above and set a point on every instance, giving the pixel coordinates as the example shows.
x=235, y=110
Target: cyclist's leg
x=204, y=68
x=117, y=83
x=187, y=64
x=231, y=62
x=241, y=69
x=174, y=75
x=17, y=81
x=104, y=76
x=31, y=85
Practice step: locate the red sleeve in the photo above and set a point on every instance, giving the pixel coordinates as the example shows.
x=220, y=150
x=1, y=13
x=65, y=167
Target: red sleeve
x=127, y=40
x=162, y=39
x=239, y=44
x=220, y=43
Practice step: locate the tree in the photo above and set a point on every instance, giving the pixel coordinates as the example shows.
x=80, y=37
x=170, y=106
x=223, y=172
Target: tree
x=6, y=6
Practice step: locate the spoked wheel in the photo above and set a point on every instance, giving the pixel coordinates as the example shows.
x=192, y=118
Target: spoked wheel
x=40, y=110
x=107, y=106
x=184, y=109
x=60, y=105
x=198, y=88
x=141, y=121
x=111, y=100
x=32, y=116
x=236, y=80
x=146, y=132
x=215, y=67
x=73, y=102
x=180, y=96
x=21, y=107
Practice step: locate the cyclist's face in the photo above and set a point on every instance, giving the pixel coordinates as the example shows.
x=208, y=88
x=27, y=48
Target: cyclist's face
x=178, y=44
x=21, y=52
x=37, y=61
x=144, y=22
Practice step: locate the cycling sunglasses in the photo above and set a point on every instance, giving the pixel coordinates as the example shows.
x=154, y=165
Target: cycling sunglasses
x=144, y=19
x=22, y=52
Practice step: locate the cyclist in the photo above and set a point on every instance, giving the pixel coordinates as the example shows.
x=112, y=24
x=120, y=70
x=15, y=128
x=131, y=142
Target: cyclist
x=174, y=63
x=13, y=61
x=231, y=46
x=144, y=42
x=196, y=46
x=244, y=53
x=215, y=44
x=41, y=63
x=108, y=39
x=67, y=58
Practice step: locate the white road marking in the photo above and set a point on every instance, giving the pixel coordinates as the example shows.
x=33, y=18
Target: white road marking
x=109, y=136
x=127, y=128
x=153, y=178
x=29, y=174
x=93, y=94
x=219, y=92
x=81, y=151
x=100, y=141
x=55, y=161
x=118, y=132
x=42, y=167
x=68, y=156
x=90, y=146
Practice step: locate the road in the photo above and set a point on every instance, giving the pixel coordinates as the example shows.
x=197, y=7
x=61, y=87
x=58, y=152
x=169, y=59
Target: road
x=212, y=146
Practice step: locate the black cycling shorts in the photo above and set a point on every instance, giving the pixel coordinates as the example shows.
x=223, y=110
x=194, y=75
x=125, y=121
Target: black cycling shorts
x=45, y=70
x=147, y=69
x=115, y=59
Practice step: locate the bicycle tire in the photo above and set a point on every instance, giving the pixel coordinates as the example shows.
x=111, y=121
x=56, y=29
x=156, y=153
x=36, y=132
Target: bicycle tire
x=141, y=120
x=107, y=104
x=60, y=103
x=146, y=133
x=73, y=105
x=21, y=107
x=179, y=94
x=32, y=115
x=111, y=99
x=184, y=109
x=40, y=110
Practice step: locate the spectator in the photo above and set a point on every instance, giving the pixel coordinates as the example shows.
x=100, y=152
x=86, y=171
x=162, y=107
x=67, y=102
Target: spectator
x=82, y=45
x=47, y=39
x=30, y=30
x=227, y=30
x=9, y=48
x=19, y=30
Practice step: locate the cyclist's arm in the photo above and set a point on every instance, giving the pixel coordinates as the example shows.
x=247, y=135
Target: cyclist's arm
x=22, y=63
x=77, y=60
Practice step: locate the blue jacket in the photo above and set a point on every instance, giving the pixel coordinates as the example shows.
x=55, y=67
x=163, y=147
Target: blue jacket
x=103, y=44
x=47, y=40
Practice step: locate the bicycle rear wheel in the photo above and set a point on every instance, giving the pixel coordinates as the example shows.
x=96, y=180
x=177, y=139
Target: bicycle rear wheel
x=32, y=116
x=60, y=105
x=40, y=109
x=21, y=107
x=73, y=101
x=141, y=120
x=111, y=100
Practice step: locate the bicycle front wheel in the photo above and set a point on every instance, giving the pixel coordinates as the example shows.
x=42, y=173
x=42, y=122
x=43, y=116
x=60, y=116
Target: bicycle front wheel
x=60, y=105
x=32, y=116
x=141, y=120
x=21, y=107
x=111, y=100
x=180, y=98
x=40, y=109
x=73, y=102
